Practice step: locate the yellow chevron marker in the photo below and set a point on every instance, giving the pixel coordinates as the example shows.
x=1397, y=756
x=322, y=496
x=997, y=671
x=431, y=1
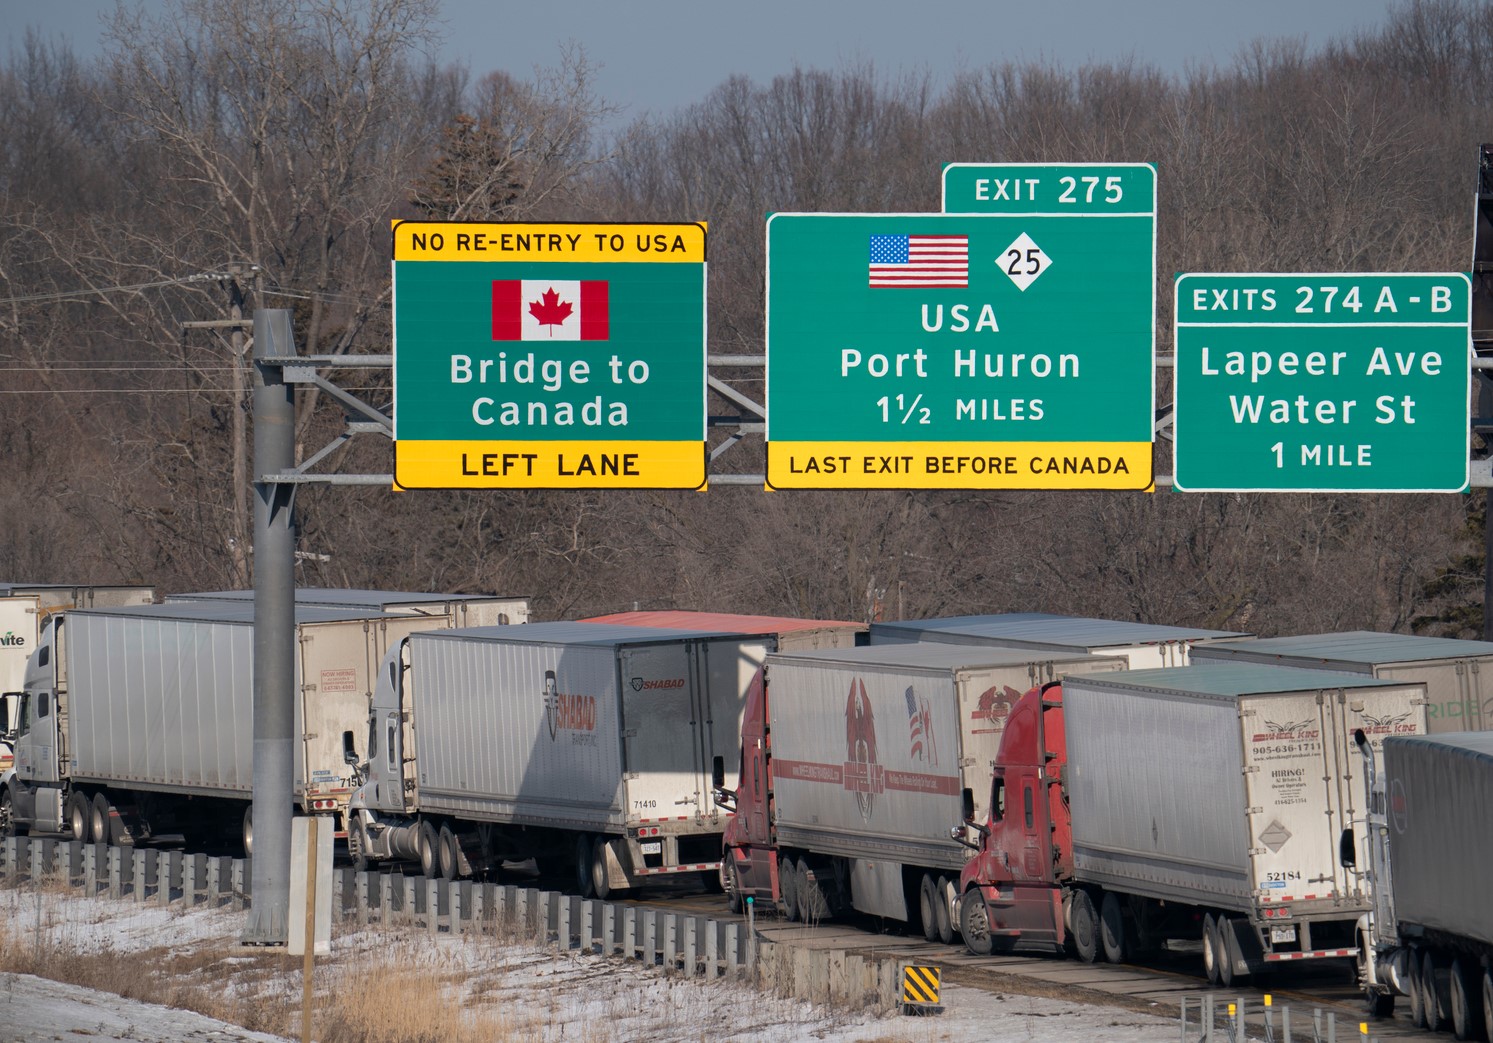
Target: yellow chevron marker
x=920, y=990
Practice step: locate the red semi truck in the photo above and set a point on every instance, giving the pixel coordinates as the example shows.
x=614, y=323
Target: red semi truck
x=1200, y=803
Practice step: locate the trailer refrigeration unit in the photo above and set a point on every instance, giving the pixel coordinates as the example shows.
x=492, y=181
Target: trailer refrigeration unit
x=459, y=610
x=1427, y=855
x=1199, y=803
x=583, y=746
x=1452, y=670
x=1144, y=645
x=137, y=723
x=852, y=764
x=793, y=634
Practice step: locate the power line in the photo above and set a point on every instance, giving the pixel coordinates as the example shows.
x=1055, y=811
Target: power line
x=96, y=291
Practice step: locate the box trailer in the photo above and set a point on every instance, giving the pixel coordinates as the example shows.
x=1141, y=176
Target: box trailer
x=1144, y=645
x=1430, y=928
x=460, y=610
x=1452, y=670
x=1201, y=803
x=583, y=746
x=58, y=597
x=793, y=633
x=853, y=762
x=137, y=722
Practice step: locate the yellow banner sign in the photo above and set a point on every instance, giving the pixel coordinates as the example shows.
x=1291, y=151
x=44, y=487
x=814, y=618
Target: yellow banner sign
x=549, y=465
x=645, y=242
x=959, y=465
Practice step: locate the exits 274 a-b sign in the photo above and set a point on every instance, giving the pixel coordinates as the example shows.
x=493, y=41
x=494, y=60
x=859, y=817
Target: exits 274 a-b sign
x=549, y=355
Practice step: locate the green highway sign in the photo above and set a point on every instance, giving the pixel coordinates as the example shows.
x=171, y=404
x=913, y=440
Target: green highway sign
x=1322, y=383
x=970, y=350
x=565, y=355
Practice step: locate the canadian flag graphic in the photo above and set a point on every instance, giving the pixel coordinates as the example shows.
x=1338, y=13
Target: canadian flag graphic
x=549, y=309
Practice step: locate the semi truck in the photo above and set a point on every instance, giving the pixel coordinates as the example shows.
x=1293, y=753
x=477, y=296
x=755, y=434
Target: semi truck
x=852, y=765
x=585, y=747
x=1457, y=699
x=1199, y=803
x=136, y=723
x=793, y=634
x=1428, y=934
x=459, y=610
x=23, y=608
x=1144, y=645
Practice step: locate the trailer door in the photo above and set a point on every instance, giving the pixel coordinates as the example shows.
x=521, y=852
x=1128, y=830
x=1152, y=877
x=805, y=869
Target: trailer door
x=663, y=752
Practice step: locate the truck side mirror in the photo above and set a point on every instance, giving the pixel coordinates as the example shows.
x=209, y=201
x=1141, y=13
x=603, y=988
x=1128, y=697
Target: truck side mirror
x=718, y=772
x=1346, y=855
x=349, y=752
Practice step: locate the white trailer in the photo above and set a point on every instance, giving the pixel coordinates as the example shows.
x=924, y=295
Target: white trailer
x=871, y=750
x=137, y=722
x=1224, y=789
x=1453, y=671
x=459, y=610
x=793, y=633
x=1144, y=645
x=584, y=746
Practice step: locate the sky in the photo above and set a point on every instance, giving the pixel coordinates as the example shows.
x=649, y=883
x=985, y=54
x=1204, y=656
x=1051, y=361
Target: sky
x=657, y=55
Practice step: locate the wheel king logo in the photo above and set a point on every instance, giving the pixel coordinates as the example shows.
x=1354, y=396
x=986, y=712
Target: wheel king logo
x=863, y=774
x=1288, y=731
x=564, y=712
x=1389, y=724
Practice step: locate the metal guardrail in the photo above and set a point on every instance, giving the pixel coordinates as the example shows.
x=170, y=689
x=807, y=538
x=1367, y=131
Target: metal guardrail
x=1230, y=1022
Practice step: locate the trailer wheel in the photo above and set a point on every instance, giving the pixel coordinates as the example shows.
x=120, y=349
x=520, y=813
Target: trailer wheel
x=1083, y=926
x=1435, y=993
x=1226, y=976
x=1412, y=989
x=1461, y=995
x=600, y=883
x=79, y=815
x=585, y=885
x=946, y=899
x=1112, y=929
x=106, y=826
x=974, y=923
x=1488, y=1003
x=427, y=842
x=8, y=827
x=787, y=888
x=450, y=854
x=1376, y=1004
x=928, y=908
x=812, y=905
x=1213, y=955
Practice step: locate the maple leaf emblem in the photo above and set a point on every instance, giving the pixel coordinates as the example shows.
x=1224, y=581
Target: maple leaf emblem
x=550, y=310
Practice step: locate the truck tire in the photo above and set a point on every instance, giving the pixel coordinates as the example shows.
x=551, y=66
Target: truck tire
x=1434, y=990
x=246, y=832
x=1213, y=952
x=948, y=927
x=787, y=888
x=106, y=827
x=1488, y=1003
x=1413, y=991
x=428, y=844
x=1462, y=994
x=974, y=923
x=8, y=827
x=1112, y=928
x=928, y=908
x=1084, y=926
x=585, y=884
x=601, y=885
x=450, y=854
x=79, y=816
x=1226, y=976
x=731, y=883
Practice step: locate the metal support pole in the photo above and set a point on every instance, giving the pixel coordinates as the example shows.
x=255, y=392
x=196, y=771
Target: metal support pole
x=274, y=625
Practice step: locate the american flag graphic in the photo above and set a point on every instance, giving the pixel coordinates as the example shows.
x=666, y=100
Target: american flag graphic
x=920, y=261
x=920, y=729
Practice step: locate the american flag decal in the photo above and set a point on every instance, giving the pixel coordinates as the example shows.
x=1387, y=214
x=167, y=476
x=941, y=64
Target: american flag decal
x=920, y=729
x=920, y=261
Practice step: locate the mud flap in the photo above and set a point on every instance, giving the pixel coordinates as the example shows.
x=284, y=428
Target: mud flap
x=1246, y=950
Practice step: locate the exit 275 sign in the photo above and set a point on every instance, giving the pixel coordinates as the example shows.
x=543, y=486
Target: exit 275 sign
x=549, y=355
x=1322, y=383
